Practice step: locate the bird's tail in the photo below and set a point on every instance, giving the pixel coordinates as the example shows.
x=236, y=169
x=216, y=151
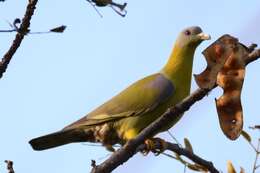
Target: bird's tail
x=60, y=138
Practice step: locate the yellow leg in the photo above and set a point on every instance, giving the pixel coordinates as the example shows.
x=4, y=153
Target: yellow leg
x=155, y=145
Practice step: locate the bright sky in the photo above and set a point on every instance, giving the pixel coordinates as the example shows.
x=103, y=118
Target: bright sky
x=55, y=79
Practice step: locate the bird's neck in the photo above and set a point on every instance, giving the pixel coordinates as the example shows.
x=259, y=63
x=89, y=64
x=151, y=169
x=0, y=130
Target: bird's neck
x=179, y=66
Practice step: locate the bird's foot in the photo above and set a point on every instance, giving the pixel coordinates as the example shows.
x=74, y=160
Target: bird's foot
x=155, y=145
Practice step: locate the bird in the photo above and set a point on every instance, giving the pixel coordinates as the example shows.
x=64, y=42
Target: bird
x=125, y=115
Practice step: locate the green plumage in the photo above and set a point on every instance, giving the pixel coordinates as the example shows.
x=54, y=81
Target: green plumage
x=126, y=114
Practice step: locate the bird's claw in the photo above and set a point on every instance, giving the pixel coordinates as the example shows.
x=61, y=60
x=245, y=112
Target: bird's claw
x=155, y=145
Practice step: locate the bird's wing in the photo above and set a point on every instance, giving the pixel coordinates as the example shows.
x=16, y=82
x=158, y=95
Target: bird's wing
x=141, y=97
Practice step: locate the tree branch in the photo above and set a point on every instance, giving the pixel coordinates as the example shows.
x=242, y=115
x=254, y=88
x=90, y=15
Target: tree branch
x=22, y=31
x=129, y=149
x=183, y=152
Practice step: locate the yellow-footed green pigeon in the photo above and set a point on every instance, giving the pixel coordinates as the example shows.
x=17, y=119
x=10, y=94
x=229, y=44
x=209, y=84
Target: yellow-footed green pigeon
x=125, y=115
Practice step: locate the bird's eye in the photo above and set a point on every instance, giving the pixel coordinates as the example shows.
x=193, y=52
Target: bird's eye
x=187, y=32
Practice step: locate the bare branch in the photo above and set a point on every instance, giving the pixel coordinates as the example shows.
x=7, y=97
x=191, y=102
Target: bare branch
x=23, y=30
x=129, y=149
x=59, y=29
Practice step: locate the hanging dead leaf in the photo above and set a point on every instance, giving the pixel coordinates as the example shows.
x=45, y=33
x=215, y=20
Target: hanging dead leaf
x=216, y=55
x=226, y=68
x=231, y=78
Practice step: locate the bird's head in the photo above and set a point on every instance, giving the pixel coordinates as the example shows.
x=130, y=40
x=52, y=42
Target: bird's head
x=181, y=58
x=191, y=37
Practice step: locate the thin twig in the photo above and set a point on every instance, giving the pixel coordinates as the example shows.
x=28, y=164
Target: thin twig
x=196, y=159
x=23, y=29
x=129, y=149
x=256, y=156
x=178, y=159
x=184, y=169
x=173, y=137
x=253, y=147
x=94, y=6
x=169, y=155
x=9, y=30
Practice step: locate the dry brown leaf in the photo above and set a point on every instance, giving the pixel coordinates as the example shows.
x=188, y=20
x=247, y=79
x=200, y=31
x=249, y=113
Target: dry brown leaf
x=216, y=55
x=231, y=78
x=226, y=68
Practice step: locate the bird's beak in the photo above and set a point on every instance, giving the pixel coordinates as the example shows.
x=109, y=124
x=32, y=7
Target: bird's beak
x=204, y=36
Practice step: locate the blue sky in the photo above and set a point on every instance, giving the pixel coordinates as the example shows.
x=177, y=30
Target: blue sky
x=55, y=79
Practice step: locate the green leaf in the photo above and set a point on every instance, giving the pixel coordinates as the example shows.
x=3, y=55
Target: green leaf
x=188, y=145
x=246, y=136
